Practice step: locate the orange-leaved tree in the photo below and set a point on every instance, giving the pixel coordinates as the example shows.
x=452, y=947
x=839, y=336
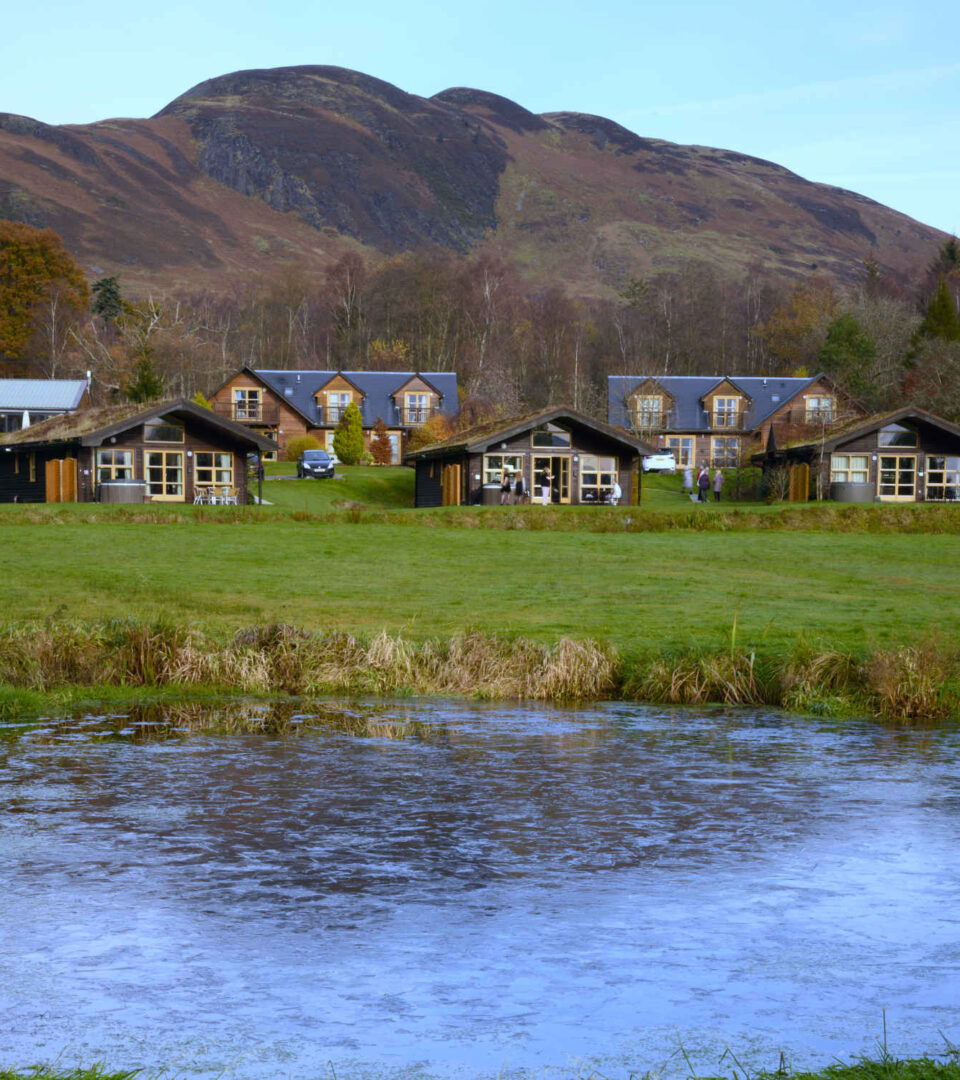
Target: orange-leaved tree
x=37, y=276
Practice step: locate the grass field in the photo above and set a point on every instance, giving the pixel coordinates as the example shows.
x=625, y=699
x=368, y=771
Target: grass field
x=648, y=591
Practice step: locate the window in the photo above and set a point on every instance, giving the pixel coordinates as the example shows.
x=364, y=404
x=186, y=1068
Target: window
x=32, y=465
x=246, y=404
x=726, y=452
x=682, y=450
x=820, y=410
x=849, y=468
x=337, y=401
x=943, y=479
x=416, y=408
x=725, y=411
x=162, y=431
x=164, y=470
x=897, y=477
x=597, y=475
x=897, y=435
x=114, y=465
x=550, y=435
x=648, y=411
x=495, y=464
x=214, y=470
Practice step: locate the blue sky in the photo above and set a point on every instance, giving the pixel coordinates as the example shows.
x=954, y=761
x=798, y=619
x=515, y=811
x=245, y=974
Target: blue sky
x=862, y=95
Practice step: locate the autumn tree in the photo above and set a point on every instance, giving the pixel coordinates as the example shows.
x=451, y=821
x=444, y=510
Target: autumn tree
x=40, y=287
x=348, y=437
x=796, y=329
x=380, y=447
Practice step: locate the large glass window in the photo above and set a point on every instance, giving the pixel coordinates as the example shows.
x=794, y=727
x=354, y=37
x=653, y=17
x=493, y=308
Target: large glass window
x=897, y=435
x=162, y=431
x=494, y=466
x=943, y=479
x=114, y=465
x=849, y=468
x=337, y=402
x=726, y=452
x=416, y=408
x=648, y=412
x=682, y=448
x=246, y=404
x=214, y=470
x=898, y=477
x=725, y=411
x=550, y=435
x=597, y=475
x=164, y=474
x=820, y=410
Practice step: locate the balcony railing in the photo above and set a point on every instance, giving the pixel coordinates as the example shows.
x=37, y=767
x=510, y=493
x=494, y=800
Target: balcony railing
x=264, y=412
x=411, y=415
x=732, y=420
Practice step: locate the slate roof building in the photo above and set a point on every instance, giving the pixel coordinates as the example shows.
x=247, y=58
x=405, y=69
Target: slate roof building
x=280, y=404
x=165, y=452
x=26, y=401
x=719, y=420
x=907, y=455
x=580, y=458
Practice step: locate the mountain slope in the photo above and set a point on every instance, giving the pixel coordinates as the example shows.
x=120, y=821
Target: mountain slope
x=257, y=170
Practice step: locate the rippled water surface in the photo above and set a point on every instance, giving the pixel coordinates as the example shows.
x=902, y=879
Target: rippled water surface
x=431, y=889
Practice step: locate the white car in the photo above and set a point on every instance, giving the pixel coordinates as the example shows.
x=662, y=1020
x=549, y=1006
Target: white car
x=663, y=461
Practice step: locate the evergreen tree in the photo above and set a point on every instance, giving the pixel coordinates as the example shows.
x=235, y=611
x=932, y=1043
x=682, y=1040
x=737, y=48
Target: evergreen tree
x=380, y=447
x=107, y=301
x=148, y=384
x=849, y=354
x=941, y=320
x=348, y=438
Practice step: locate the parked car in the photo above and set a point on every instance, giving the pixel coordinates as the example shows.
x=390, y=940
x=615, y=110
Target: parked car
x=316, y=463
x=664, y=461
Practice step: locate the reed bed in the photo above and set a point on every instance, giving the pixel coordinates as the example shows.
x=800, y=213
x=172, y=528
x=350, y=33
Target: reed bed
x=912, y=683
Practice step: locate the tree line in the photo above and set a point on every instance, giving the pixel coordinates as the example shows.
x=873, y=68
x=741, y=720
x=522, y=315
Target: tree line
x=515, y=346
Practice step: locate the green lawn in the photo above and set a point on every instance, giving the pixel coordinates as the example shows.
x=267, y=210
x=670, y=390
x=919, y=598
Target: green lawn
x=387, y=487
x=650, y=590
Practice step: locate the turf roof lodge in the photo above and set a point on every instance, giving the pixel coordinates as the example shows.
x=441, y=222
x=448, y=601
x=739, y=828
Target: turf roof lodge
x=280, y=405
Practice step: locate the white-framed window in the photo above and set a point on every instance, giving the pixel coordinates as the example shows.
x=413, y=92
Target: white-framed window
x=114, y=465
x=849, y=468
x=494, y=466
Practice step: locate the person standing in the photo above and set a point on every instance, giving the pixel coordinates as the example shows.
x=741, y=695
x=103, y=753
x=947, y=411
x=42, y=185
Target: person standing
x=717, y=484
x=545, y=481
x=519, y=487
x=504, y=488
x=688, y=480
x=703, y=483
x=615, y=493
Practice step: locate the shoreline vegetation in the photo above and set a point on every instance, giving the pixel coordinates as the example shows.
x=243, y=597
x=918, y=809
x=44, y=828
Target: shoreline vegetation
x=868, y=518
x=49, y=665
x=882, y=1067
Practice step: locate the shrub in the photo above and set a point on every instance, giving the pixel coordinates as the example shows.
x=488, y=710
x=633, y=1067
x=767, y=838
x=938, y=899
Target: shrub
x=348, y=438
x=366, y=458
x=380, y=447
x=297, y=445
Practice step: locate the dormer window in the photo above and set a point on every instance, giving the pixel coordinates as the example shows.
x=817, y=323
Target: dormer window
x=820, y=409
x=337, y=402
x=726, y=412
x=648, y=411
x=416, y=407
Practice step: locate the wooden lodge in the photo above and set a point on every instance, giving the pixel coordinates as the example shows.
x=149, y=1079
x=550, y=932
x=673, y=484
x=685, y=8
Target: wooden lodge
x=903, y=456
x=168, y=452
x=578, y=458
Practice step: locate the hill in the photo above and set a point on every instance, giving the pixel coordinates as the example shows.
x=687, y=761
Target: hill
x=262, y=169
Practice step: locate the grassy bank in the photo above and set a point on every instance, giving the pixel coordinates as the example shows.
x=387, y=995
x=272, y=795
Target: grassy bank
x=654, y=594
x=48, y=666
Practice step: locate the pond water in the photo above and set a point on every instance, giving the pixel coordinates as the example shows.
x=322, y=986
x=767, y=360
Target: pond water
x=428, y=889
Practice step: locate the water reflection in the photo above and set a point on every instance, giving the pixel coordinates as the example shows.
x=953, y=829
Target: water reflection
x=437, y=889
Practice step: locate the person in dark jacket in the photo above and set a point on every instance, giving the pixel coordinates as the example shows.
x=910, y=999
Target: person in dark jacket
x=519, y=487
x=703, y=483
x=505, y=488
